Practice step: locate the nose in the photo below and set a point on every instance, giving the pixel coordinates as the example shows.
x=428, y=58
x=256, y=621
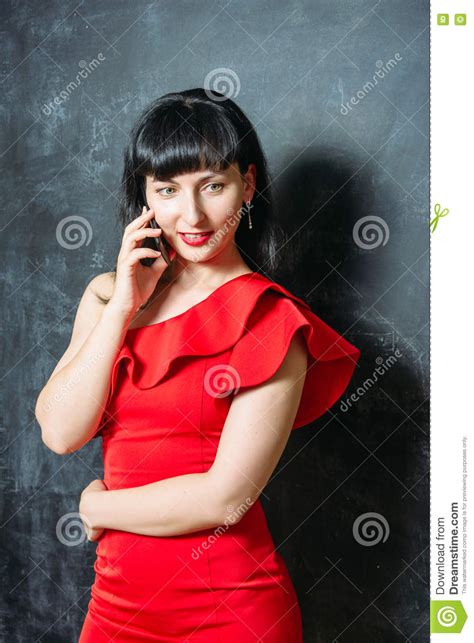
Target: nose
x=192, y=212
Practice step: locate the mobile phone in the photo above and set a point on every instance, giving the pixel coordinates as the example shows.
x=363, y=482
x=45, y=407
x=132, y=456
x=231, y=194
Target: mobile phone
x=157, y=243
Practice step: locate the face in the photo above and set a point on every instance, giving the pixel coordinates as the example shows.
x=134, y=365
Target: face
x=201, y=202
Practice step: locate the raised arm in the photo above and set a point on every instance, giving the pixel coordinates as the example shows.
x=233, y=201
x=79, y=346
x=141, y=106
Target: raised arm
x=254, y=436
x=71, y=405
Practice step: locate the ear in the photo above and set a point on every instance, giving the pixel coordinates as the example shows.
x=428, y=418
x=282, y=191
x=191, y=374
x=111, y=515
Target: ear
x=250, y=179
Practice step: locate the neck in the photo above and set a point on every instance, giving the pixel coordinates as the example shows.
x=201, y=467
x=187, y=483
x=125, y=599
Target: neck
x=209, y=274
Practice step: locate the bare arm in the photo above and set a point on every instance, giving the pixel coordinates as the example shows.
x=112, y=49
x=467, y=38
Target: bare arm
x=71, y=404
x=255, y=434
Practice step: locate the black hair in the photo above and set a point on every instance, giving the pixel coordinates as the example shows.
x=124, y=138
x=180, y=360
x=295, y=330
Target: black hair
x=194, y=130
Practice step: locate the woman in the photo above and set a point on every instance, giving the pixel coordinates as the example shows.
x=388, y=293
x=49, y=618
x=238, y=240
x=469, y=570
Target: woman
x=200, y=370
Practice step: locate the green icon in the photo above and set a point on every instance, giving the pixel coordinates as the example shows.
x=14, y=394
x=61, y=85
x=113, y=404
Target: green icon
x=438, y=215
x=443, y=18
x=460, y=19
x=447, y=617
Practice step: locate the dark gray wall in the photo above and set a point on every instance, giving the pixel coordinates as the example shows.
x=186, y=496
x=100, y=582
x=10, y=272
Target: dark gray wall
x=296, y=62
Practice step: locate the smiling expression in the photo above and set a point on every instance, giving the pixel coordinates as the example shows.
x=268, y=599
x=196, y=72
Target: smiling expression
x=200, y=202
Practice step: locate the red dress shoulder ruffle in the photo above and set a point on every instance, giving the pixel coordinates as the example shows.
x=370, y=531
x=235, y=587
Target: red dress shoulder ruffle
x=251, y=320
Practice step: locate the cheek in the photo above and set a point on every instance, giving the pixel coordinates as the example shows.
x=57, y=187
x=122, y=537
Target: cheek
x=165, y=214
x=155, y=201
x=227, y=227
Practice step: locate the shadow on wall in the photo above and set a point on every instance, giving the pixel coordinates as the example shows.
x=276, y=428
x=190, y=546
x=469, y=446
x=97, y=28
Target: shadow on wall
x=346, y=505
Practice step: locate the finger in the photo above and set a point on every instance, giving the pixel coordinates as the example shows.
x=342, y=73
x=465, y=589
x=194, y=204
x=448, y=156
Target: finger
x=147, y=213
x=134, y=238
x=143, y=233
x=158, y=266
x=140, y=221
x=143, y=253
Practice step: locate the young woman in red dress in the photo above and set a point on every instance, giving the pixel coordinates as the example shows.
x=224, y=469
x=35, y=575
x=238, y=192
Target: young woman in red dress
x=198, y=372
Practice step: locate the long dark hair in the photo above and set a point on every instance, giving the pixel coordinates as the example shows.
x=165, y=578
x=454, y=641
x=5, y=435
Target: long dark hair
x=194, y=130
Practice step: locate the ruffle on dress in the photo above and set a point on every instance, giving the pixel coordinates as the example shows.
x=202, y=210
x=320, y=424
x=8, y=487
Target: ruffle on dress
x=251, y=320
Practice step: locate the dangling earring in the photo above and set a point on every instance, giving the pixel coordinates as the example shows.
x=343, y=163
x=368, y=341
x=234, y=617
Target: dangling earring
x=248, y=212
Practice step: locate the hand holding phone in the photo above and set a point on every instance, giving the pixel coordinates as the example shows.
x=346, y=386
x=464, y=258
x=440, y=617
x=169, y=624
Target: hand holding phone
x=135, y=283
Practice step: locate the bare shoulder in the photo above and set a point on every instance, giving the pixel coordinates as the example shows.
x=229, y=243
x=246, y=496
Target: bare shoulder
x=89, y=311
x=96, y=295
x=102, y=285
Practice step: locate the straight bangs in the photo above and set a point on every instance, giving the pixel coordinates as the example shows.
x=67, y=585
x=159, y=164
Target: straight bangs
x=184, y=140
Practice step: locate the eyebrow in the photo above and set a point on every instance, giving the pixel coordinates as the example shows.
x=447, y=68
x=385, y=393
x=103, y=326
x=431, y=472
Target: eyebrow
x=203, y=178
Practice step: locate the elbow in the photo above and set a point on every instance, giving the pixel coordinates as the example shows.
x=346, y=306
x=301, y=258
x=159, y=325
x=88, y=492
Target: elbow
x=46, y=436
x=50, y=439
x=50, y=435
x=231, y=503
x=56, y=450
x=233, y=508
x=58, y=447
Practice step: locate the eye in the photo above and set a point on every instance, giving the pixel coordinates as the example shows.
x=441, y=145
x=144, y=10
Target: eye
x=219, y=185
x=160, y=191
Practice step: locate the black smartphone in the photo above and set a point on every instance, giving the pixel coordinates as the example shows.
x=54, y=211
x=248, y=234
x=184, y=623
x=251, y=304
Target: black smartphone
x=157, y=243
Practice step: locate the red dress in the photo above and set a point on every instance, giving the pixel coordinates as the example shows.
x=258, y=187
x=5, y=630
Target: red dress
x=171, y=388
